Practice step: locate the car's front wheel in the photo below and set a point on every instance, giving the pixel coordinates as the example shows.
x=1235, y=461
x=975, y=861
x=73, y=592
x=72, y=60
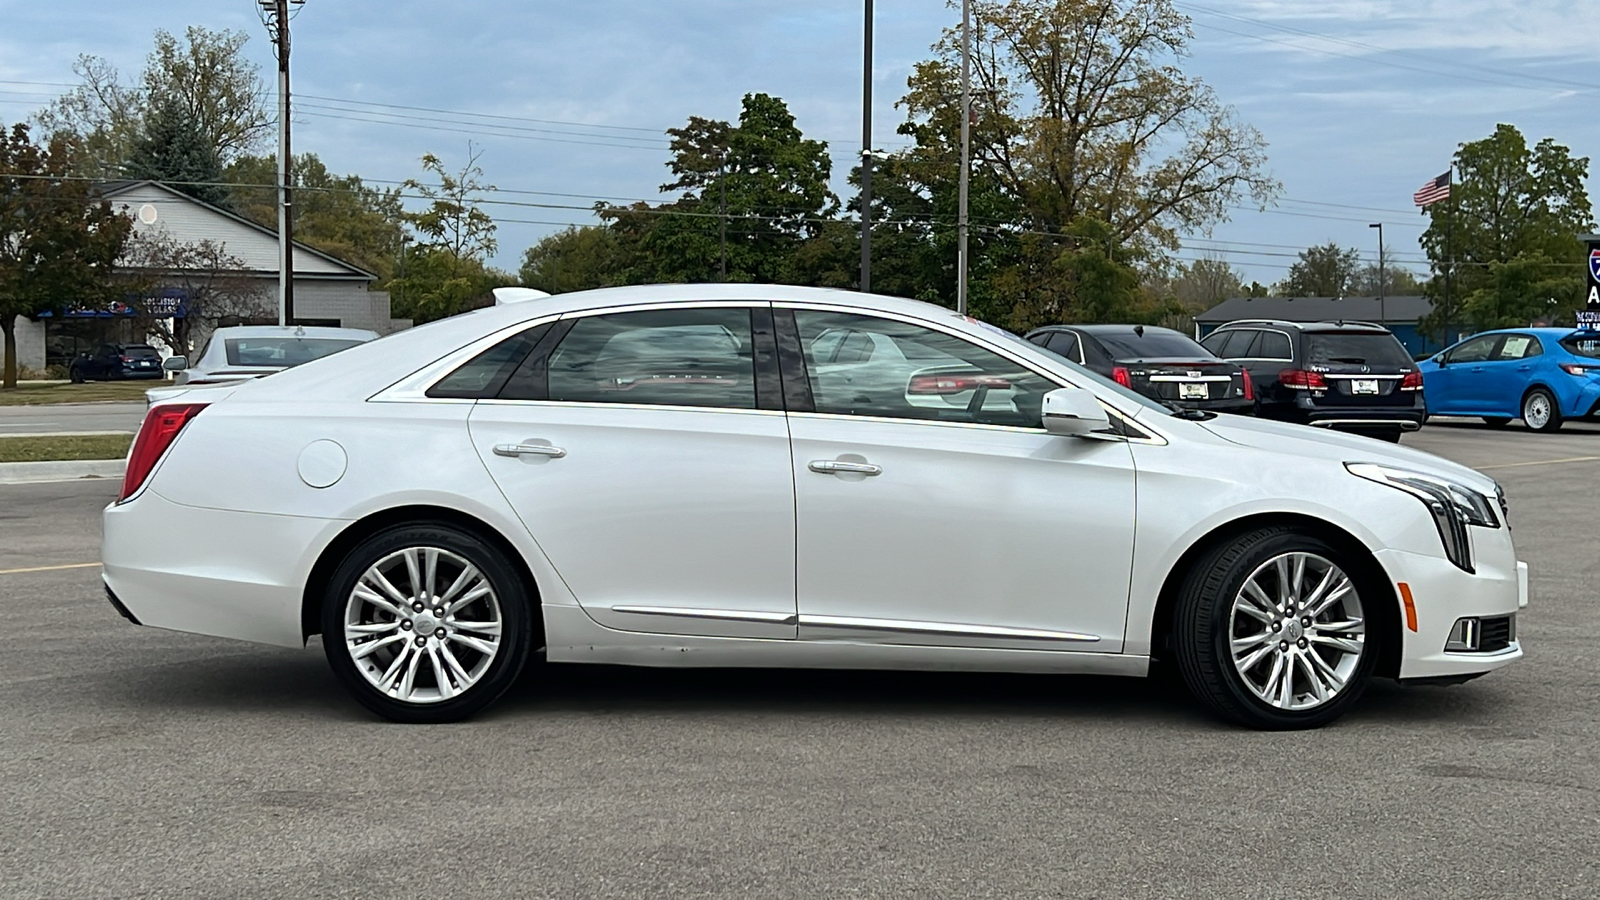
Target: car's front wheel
x=1269, y=631
x=75, y=374
x=426, y=623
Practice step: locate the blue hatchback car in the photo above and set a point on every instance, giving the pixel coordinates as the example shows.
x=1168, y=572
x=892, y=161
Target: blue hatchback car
x=1543, y=376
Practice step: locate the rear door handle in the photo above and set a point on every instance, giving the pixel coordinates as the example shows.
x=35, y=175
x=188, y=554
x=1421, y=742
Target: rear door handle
x=1523, y=368
x=515, y=450
x=837, y=466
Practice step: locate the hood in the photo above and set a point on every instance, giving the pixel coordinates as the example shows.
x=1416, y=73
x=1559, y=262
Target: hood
x=1307, y=442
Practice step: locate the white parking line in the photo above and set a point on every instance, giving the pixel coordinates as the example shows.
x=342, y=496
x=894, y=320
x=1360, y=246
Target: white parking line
x=48, y=568
x=1542, y=462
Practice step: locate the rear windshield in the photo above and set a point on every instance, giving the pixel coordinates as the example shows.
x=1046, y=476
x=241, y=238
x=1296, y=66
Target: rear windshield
x=1155, y=343
x=141, y=351
x=281, y=352
x=1355, y=348
x=1584, y=343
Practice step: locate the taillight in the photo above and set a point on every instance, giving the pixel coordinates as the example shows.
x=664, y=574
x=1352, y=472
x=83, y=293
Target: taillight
x=1120, y=373
x=1578, y=369
x=1249, y=386
x=1300, y=379
x=1412, y=381
x=953, y=384
x=126, y=358
x=161, y=426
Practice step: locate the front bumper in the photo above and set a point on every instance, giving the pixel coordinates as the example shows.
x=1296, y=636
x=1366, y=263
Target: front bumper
x=1442, y=594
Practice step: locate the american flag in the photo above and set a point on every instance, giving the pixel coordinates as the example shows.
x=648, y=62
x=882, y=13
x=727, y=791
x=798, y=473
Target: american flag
x=1435, y=190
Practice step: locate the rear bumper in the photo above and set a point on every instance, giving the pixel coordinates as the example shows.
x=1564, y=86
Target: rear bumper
x=1355, y=418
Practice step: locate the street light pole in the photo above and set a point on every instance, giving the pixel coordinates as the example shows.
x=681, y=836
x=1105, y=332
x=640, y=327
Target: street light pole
x=966, y=156
x=866, y=153
x=1383, y=318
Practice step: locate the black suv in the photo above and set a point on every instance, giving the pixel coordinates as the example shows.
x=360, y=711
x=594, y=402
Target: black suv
x=1353, y=376
x=116, y=361
x=1160, y=363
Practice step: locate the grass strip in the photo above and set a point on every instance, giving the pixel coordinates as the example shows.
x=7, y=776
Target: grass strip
x=44, y=447
x=89, y=392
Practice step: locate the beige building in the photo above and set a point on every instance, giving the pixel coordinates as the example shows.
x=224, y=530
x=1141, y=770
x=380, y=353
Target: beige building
x=327, y=291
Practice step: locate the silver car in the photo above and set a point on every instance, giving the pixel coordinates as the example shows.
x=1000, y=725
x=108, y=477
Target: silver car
x=242, y=352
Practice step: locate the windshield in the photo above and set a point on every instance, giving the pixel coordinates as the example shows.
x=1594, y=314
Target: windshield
x=1155, y=343
x=1078, y=371
x=1358, y=348
x=1583, y=343
x=281, y=352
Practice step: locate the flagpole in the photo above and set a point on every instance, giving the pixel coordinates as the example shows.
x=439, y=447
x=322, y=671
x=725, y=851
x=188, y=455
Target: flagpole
x=1449, y=252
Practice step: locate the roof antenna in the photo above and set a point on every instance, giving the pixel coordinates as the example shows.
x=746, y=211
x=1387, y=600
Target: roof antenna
x=1138, y=330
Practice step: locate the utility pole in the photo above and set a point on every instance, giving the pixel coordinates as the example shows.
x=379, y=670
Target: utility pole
x=866, y=155
x=275, y=13
x=1382, y=319
x=966, y=156
x=722, y=216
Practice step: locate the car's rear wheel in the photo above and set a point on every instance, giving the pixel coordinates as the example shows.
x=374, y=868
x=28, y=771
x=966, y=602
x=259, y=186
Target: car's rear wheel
x=1496, y=421
x=1540, y=412
x=1269, y=631
x=426, y=623
x=75, y=374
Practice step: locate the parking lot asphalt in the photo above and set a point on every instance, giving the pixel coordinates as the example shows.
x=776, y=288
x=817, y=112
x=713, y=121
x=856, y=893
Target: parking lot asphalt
x=143, y=763
x=59, y=418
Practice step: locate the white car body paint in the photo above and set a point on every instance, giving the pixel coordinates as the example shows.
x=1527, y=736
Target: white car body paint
x=1052, y=550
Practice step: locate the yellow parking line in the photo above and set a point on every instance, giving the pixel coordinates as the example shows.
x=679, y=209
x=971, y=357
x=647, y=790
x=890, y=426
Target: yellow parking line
x=48, y=568
x=1543, y=462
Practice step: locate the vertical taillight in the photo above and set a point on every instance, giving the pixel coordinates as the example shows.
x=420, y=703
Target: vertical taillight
x=1120, y=374
x=1412, y=381
x=1249, y=387
x=161, y=425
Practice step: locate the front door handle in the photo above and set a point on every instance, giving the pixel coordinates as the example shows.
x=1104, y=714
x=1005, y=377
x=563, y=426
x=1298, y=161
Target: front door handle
x=838, y=466
x=1523, y=368
x=515, y=450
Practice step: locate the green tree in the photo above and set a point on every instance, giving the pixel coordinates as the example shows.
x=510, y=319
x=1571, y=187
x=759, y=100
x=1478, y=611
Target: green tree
x=1325, y=270
x=337, y=214
x=1204, y=283
x=205, y=75
x=1513, y=210
x=171, y=149
x=447, y=271
x=58, y=242
x=1397, y=281
x=576, y=258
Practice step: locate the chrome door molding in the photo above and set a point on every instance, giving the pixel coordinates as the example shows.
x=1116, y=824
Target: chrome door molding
x=946, y=629
x=721, y=615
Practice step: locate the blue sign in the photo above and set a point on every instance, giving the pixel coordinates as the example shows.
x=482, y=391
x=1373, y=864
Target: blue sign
x=1594, y=263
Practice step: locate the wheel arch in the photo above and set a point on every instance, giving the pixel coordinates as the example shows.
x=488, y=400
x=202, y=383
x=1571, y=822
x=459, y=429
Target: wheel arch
x=361, y=529
x=1372, y=577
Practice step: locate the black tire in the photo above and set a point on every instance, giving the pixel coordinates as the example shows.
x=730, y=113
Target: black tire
x=1496, y=421
x=75, y=374
x=1202, y=635
x=516, y=611
x=1552, y=421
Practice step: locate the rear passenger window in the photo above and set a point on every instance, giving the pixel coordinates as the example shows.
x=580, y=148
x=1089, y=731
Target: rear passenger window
x=1519, y=346
x=1064, y=343
x=1238, y=344
x=1273, y=345
x=672, y=357
x=484, y=374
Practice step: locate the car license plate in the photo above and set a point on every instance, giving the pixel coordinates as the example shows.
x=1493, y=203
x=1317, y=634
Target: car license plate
x=1364, y=386
x=1192, y=392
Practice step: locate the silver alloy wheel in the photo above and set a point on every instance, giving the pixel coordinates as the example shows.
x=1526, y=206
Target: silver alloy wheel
x=1297, y=631
x=1536, y=410
x=422, y=625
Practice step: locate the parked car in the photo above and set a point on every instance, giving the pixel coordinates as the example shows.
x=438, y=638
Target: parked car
x=1158, y=362
x=116, y=362
x=242, y=352
x=1349, y=376
x=589, y=478
x=1542, y=376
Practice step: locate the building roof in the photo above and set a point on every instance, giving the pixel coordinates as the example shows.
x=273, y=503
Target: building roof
x=189, y=219
x=1395, y=310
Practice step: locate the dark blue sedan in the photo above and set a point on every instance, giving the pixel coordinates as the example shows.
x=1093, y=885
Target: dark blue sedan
x=1542, y=376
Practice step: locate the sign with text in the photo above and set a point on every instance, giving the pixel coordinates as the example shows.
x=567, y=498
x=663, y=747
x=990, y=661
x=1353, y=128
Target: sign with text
x=1589, y=315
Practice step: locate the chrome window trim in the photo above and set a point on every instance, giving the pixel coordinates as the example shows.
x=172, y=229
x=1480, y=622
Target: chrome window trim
x=946, y=629
x=602, y=404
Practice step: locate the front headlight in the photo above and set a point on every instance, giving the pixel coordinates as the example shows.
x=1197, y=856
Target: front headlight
x=1453, y=506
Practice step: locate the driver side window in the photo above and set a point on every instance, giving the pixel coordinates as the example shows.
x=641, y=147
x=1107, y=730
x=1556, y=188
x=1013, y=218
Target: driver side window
x=914, y=372
x=1476, y=349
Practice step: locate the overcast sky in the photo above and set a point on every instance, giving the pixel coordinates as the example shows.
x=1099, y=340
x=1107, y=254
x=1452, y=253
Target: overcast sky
x=1360, y=101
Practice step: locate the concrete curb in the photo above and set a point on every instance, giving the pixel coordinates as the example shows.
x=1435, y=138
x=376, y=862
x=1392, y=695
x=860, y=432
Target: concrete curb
x=70, y=470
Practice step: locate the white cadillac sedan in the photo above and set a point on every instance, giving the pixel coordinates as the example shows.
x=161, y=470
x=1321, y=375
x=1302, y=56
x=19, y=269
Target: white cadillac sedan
x=670, y=476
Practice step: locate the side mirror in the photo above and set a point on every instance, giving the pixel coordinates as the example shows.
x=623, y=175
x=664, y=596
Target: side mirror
x=175, y=363
x=1072, y=412
x=1438, y=360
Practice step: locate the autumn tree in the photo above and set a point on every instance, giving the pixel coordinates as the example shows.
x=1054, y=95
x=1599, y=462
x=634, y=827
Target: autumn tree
x=447, y=271
x=58, y=242
x=338, y=214
x=160, y=272
x=1508, y=235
